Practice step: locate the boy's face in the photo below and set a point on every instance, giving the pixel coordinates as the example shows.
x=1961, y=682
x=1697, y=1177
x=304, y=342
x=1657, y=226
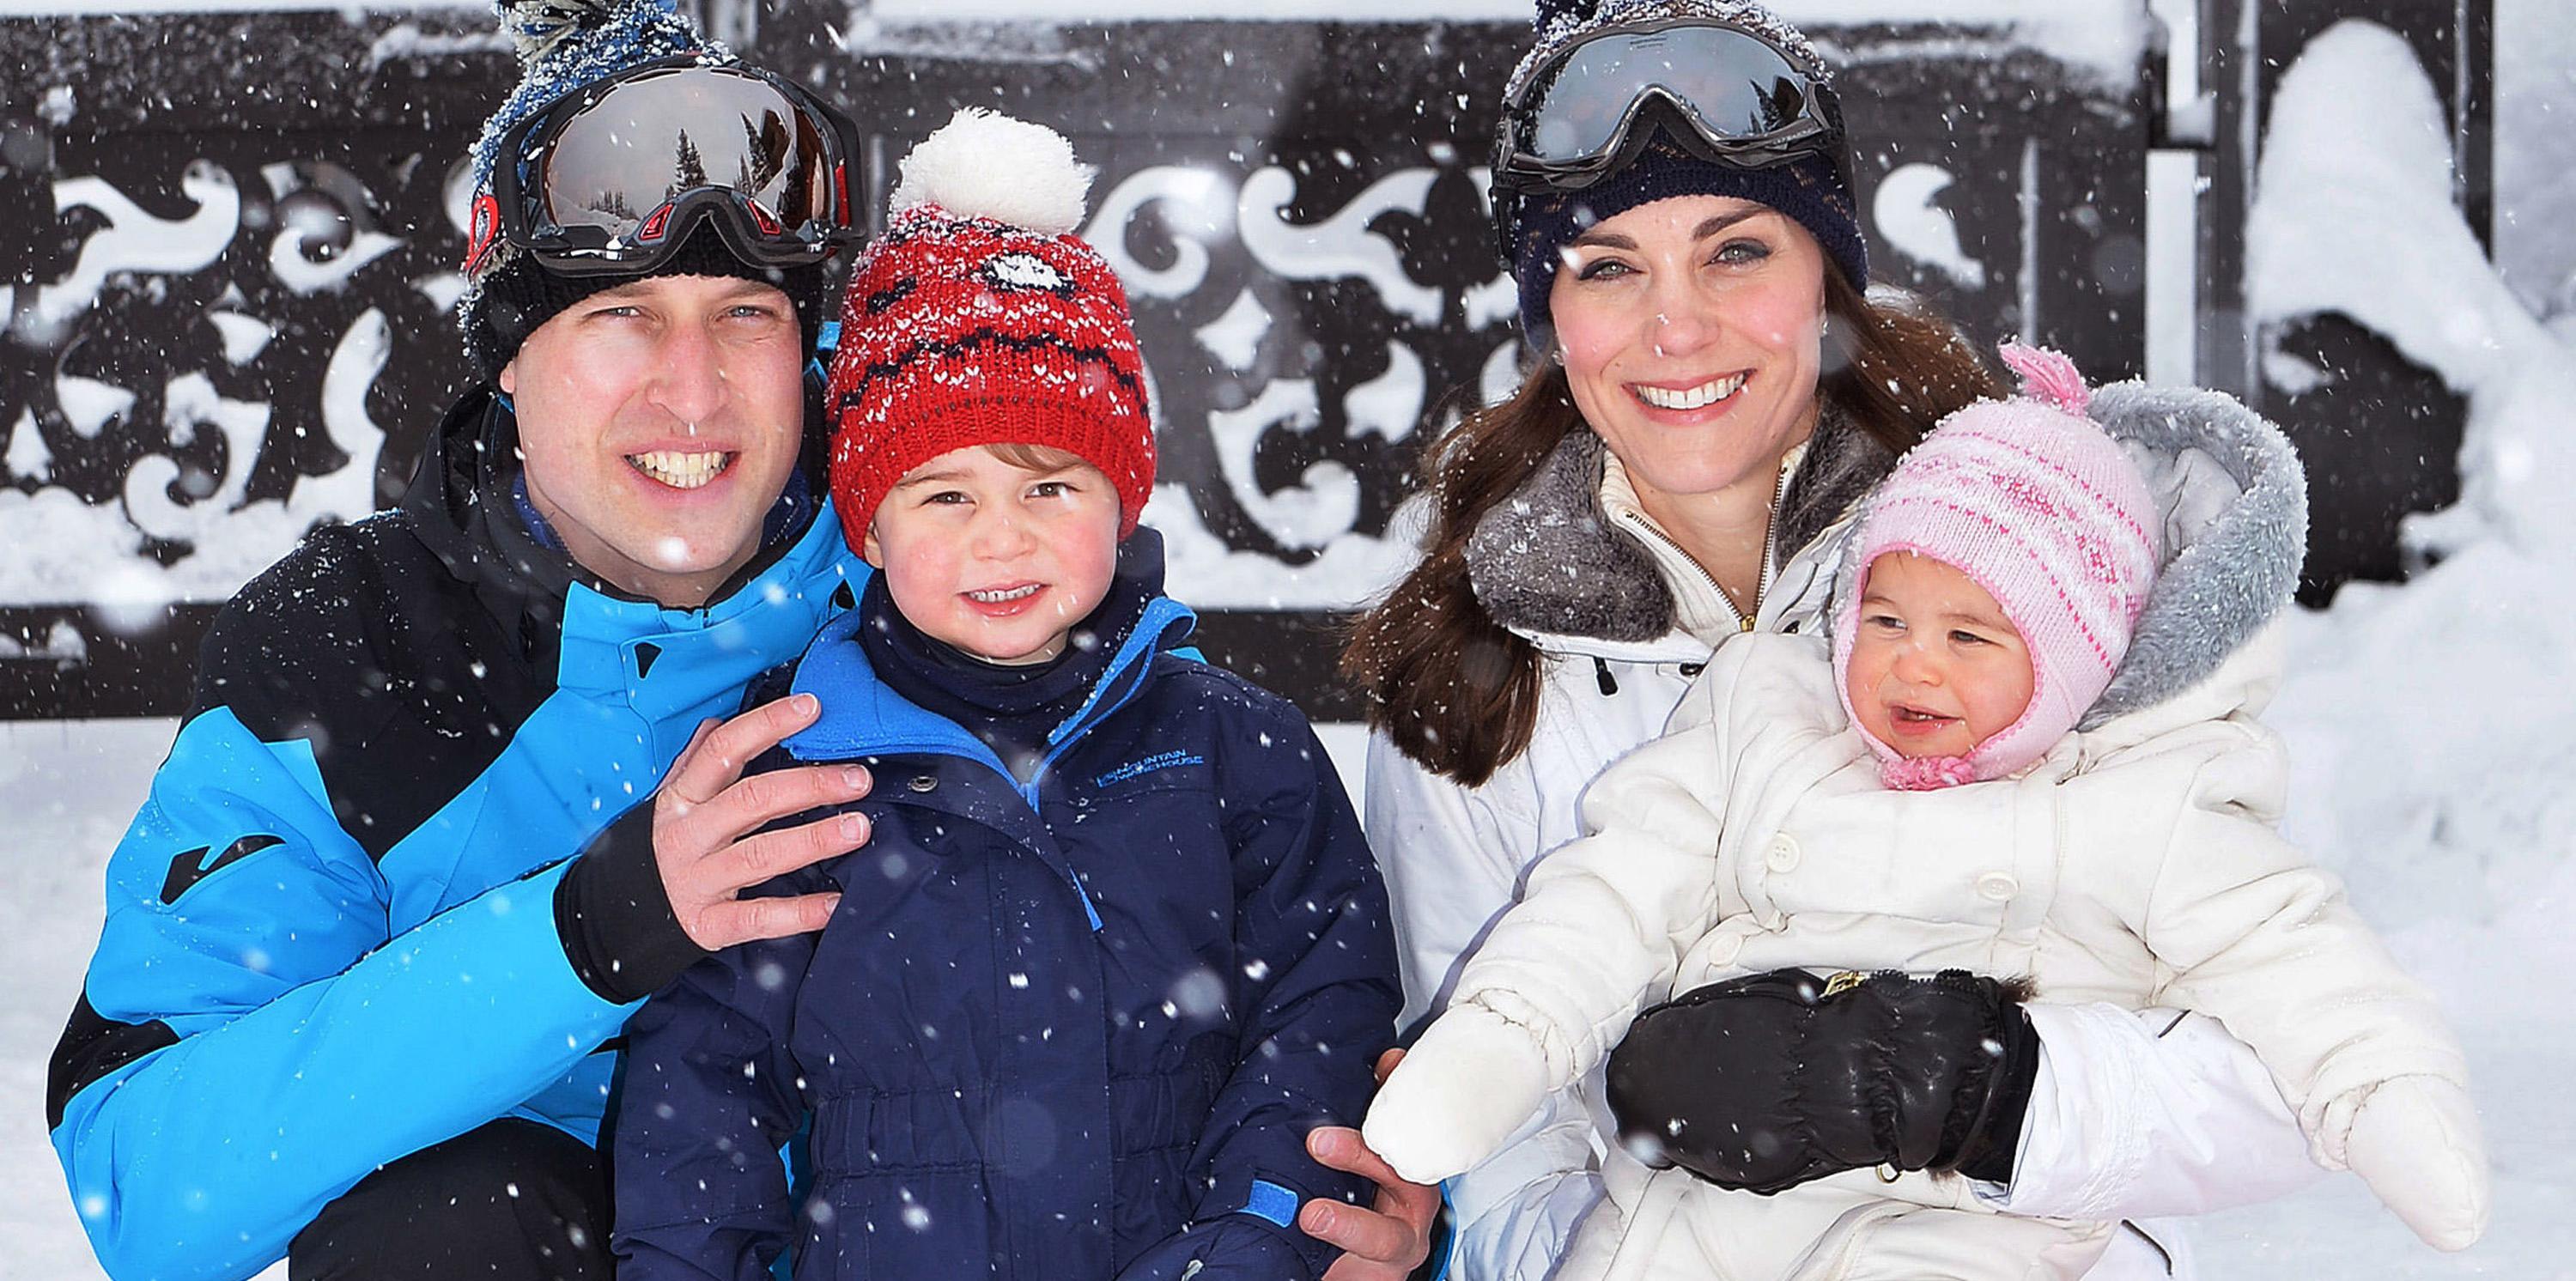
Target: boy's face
x=997, y=560
x=1936, y=667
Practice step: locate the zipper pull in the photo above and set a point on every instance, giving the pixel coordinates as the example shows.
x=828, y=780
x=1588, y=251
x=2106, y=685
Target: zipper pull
x=1601, y=674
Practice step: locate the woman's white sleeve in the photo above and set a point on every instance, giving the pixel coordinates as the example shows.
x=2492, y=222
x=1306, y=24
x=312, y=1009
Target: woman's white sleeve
x=1517, y=1212
x=1453, y=859
x=2145, y=1114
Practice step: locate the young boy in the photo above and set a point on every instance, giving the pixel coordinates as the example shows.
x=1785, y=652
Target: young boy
x=2026, y=755
x=1116, y=943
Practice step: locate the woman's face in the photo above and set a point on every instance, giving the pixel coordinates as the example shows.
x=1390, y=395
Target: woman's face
x=1691, y=330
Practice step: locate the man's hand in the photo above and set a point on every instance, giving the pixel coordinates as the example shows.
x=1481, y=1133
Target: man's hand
x=706, y=810
x=1387, y=1241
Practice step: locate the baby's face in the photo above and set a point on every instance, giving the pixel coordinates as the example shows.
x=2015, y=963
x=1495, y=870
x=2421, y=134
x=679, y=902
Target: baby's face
x=1936, y=667
x=998, y=560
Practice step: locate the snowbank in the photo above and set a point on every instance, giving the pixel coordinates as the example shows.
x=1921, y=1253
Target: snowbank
x=2433, y=725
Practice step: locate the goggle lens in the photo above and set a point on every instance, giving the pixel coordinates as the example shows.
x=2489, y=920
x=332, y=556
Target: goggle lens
x=661, y=135
x=1736, y=86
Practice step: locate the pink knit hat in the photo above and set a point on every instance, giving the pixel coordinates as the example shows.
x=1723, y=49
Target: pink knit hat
x=2035, y=503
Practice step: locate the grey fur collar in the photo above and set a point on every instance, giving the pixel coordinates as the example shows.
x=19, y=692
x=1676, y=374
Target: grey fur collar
x=1546, y=560
x=2236, y=514
x=2235, y=503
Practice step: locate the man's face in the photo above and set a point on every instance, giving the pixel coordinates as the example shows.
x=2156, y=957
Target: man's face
x=658, y=422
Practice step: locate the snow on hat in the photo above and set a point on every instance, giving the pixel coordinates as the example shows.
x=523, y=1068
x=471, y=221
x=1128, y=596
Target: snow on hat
x=562, y=46
x=2037, y=505
x=1810, y=192
x=979, y=318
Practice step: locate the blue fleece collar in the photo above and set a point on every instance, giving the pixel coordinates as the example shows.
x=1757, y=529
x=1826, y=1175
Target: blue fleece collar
x=861, y=717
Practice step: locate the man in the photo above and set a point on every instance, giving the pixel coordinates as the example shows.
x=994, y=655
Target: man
x=343, y=933
x=355, y=1003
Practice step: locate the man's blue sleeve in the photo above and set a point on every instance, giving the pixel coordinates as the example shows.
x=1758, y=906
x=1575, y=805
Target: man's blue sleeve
x=253, y=1039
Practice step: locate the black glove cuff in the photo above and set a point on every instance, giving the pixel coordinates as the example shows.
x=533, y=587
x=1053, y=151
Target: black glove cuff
x=1996, y=1137
x=615, y=917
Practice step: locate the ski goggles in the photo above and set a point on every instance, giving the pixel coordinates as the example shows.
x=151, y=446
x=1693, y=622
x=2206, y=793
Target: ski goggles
x=1741, y=100
x=611, y=178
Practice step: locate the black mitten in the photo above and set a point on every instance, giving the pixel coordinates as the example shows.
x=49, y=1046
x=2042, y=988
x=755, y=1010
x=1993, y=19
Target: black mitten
x=1767, y=1081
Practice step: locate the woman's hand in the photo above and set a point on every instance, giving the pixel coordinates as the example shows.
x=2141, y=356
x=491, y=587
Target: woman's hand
x=1392, y=1237
x=1764, y=1082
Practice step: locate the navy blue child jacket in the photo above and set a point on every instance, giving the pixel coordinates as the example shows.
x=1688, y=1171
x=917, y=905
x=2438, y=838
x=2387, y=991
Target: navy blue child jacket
x=1071, y=1029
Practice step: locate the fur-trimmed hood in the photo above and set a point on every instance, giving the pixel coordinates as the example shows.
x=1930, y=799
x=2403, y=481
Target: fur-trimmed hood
x=2235, y=504
x=1547, y=561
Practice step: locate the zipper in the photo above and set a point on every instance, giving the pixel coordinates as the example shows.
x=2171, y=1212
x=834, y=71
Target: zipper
x=1113, y=693
x=1770, y=546
x=1129, y=678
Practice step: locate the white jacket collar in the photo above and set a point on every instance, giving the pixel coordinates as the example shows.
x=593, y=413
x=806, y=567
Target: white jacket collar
x=1700, y=607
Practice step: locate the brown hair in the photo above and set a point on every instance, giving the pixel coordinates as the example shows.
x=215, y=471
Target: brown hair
x=1038, y=458
x=1458, y=692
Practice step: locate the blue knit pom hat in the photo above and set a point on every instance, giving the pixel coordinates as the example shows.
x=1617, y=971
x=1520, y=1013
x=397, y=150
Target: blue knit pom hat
x=1810, y=191
x=563, y=45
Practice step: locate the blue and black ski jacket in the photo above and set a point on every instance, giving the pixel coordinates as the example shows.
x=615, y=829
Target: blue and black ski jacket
x=1063, y=1029
x=342, y=928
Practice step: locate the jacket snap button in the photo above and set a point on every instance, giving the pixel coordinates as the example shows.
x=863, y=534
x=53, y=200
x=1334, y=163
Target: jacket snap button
x=1997, y=886
x=922, y=783
x=1783, y=855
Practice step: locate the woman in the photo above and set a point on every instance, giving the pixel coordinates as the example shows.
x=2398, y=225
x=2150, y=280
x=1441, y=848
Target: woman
x=1673, y=193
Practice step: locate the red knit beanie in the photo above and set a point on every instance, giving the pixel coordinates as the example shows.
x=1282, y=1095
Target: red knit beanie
x=979, y=318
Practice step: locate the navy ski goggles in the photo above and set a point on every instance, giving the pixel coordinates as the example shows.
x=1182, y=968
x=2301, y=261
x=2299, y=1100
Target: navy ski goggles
x=1740, y=99
x=611, y=178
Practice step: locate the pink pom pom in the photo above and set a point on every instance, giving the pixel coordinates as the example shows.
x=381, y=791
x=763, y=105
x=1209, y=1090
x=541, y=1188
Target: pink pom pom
x=1926, y=773
x=2048, y=376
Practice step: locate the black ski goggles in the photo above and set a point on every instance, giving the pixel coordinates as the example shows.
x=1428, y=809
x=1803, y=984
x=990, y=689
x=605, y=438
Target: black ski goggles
x=1741, y=100
x=611, y=178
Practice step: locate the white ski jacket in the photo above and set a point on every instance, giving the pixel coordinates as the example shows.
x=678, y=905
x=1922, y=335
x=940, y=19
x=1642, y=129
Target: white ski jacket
x=2134, y=864
x=2135, y=1115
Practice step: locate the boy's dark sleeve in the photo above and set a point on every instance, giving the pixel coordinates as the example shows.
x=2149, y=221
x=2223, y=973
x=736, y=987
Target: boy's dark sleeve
x=709, y=1097
x=1315, y=981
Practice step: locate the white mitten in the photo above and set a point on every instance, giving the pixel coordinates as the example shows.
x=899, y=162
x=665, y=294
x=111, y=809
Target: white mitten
x=1462, y=1089
x=2416, y=1143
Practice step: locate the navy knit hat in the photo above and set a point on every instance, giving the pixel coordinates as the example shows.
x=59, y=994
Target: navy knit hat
x=1811, y=191
x=562, y=46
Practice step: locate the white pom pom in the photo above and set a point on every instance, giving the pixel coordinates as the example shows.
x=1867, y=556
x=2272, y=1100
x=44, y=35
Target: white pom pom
x=983, y=164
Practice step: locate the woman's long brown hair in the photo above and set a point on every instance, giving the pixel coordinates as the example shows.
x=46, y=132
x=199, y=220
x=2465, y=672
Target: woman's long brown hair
x=1458, y=692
